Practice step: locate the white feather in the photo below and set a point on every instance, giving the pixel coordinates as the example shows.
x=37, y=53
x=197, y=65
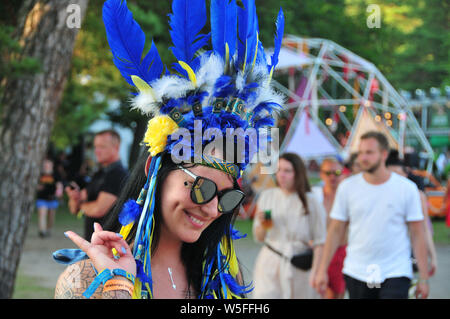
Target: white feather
x=146, y=103
x=211, y=68
x=172, y=87
x=240, y=81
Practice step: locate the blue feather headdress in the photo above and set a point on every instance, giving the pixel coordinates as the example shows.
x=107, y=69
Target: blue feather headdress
x=221, y=81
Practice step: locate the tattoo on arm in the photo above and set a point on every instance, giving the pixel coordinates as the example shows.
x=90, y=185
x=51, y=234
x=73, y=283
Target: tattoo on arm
x=74, y=281
x=116, y=294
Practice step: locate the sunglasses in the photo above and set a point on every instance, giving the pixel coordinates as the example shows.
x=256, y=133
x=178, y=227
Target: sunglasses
x=335, y=173
x=203, y=190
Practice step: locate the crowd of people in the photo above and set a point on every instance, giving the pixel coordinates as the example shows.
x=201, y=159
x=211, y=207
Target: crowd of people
x=167, y=232
x=89, y=197
x=363, y=227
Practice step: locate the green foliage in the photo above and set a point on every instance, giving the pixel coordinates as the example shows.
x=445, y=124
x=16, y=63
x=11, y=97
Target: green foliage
x=410, y=48
x=94, y=75
x=11, y=64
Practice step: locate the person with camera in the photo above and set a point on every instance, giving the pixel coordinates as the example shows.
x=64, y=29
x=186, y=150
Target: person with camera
x=292, y=225
x=99, y=196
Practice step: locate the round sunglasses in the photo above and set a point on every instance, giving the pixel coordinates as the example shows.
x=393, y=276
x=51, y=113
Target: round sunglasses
x=336, y=173
x=203, y=190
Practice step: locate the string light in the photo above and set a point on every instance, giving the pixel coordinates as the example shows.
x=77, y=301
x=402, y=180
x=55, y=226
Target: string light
x=387, y=116
x=329, y=121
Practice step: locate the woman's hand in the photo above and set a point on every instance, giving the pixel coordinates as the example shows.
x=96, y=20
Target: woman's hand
x=320, y=282
x=100, y=248
x=74, y=197
x=259, y=232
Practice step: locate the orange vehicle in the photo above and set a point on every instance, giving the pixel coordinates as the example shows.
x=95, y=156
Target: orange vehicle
x=436, y=195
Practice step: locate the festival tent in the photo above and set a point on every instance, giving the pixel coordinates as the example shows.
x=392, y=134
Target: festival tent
x=308, y=141
x=337, y=84
x=365, y=123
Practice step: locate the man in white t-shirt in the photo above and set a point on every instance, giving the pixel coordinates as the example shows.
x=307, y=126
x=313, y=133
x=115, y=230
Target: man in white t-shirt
x=378, y=207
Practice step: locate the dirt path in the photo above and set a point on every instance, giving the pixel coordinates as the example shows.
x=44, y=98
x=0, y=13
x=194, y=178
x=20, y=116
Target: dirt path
x=37, y=262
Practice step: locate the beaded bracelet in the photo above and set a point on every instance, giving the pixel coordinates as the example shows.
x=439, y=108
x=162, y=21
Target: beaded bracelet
x=103, y=277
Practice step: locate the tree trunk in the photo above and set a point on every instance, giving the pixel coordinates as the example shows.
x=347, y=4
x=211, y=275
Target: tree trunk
x=47, y=31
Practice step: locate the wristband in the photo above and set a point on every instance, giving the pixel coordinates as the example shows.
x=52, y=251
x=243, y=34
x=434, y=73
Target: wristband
x=423, y=280
x=117, y=284
x=103, y=277
x=123, y=273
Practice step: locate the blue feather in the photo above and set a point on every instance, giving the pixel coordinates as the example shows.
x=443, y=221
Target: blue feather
x=224, y=86
x=186, y=22
x=223, y=26
x=265, y=121
x=236, y=234
x=127, y=40
x=140, y=273
x=247, y=35
x=268, y=106
x=130, y=212
x=235, y=287
x=278, y=39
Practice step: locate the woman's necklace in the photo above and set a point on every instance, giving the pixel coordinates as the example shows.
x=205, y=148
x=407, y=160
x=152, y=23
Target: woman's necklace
x=171, y=278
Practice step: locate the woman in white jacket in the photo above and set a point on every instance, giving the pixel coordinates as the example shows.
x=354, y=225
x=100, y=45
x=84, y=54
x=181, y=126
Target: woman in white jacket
x=298, y=223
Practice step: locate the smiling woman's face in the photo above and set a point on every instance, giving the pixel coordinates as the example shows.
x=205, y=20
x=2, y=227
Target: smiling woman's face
x=182, y=219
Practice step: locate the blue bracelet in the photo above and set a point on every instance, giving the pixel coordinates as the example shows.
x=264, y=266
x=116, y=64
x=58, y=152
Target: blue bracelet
x=123, y=273
x=103, y=277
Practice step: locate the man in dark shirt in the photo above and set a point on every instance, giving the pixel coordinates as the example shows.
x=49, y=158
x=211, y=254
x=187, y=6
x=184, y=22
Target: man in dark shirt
x=98, y=197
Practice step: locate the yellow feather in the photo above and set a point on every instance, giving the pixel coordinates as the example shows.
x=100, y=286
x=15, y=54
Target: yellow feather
x=137, y=289
x=142, y=86
x=190, y=72
x=270, y=76
x=234, y=266
x=158, y=129
x=125, y=230
x=256, y=51
x=245, y=57
x=227, y=56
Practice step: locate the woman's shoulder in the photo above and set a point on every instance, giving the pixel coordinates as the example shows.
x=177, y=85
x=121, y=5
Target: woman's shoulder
x=75, y=279
x=313, y=201
x=269, y=191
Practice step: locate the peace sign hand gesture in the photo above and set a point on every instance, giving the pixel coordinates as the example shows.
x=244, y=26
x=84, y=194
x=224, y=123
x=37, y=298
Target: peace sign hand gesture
x=100, y=248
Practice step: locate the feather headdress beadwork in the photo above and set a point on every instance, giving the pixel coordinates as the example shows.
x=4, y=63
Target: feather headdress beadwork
x=222, y=81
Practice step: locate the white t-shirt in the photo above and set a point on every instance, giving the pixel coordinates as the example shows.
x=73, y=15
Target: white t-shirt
x=379, y=246
x=318, y=192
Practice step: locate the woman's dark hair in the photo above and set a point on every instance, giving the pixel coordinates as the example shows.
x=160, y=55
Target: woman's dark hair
x=301, y=183
x=192, y=254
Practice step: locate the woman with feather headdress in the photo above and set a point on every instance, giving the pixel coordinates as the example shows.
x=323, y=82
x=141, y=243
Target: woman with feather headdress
x=178, y=208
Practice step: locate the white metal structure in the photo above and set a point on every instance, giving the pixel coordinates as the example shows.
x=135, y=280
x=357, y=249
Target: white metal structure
x=338, y=85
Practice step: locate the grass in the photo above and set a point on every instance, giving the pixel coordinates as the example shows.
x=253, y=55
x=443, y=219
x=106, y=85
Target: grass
x=27, y=287
x=32, y=287
x=441, y=233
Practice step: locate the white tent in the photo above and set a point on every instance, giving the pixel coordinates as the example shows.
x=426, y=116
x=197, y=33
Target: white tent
x=339, y=84
x=308, y=141
x=365, y=122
